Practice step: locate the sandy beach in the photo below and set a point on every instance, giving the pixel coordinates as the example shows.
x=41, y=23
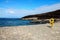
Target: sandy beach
x=31, y=32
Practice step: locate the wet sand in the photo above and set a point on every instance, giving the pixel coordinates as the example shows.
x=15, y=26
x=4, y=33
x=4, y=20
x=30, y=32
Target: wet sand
x=31, y=32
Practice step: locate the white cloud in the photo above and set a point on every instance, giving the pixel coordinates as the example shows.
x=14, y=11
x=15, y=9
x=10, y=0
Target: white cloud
x=41, y=9
x=10, y=11
x=23, y=11
x=47, y=8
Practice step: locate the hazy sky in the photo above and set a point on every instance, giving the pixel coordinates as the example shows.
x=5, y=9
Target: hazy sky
x=20, y=8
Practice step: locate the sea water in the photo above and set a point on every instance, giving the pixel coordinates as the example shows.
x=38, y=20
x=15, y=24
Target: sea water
x=13, y=22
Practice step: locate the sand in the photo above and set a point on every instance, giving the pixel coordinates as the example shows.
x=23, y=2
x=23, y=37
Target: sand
x=31, y=32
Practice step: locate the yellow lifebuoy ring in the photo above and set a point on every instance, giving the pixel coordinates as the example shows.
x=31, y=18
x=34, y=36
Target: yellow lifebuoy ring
x=51, y=22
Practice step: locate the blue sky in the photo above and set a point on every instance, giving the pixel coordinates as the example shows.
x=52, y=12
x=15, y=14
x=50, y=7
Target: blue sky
x=20, y=8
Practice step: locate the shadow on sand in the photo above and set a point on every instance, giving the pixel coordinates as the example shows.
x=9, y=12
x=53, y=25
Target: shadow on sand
x=49, y=26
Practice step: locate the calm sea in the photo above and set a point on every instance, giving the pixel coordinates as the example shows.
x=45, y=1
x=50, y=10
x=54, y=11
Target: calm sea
x=13, y=22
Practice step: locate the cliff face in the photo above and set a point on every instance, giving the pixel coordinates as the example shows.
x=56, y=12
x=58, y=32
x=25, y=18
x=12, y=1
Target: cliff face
x=53, y=14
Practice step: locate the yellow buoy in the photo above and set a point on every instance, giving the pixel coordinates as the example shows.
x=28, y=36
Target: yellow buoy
x=51, y=22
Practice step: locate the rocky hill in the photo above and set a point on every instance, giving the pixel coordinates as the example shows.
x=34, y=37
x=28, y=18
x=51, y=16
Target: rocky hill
x=52, y=14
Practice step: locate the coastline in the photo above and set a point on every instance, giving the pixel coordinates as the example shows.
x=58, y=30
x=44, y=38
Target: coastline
x=31, y=32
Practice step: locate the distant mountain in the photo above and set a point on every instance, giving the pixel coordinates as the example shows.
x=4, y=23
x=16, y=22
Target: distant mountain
x=52, y=14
